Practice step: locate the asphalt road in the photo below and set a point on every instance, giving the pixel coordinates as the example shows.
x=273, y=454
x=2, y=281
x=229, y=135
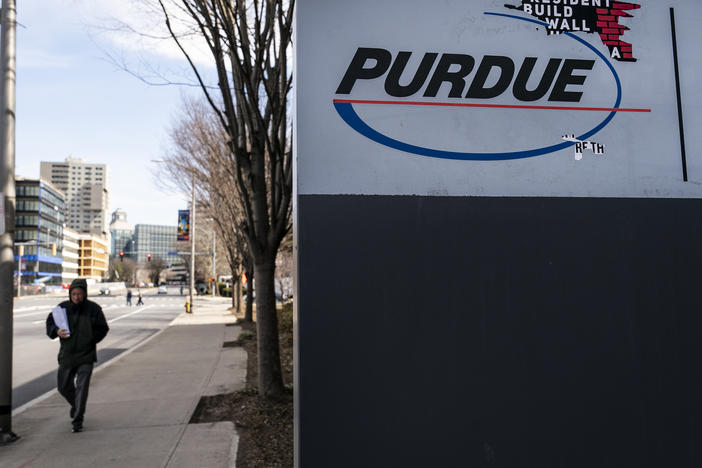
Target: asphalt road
x=34, y=360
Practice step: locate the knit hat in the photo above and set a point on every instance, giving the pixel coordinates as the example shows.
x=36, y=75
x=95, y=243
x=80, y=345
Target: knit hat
x=79, y=283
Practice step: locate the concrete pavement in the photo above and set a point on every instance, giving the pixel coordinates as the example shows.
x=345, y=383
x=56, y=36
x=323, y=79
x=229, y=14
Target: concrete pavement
x=140, y=403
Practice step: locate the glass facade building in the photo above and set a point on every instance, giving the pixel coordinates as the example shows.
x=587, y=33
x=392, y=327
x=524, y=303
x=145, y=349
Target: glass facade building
x=156, y=240
x=39, y=220
x=121, y=234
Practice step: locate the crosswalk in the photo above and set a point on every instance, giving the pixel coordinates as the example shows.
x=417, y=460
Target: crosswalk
x=146, y=299
x=149, y=302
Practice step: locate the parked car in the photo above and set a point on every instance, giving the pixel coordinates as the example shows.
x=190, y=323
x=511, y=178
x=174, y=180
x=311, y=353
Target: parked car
x=162, y=290
x=112, y=289
x=105, y=290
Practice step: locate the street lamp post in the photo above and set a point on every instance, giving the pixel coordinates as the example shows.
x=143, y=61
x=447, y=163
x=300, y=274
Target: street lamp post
x=191, y=286
x=7, y=192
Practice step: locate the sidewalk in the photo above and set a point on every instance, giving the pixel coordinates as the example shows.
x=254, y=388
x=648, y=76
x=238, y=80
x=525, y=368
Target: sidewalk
x=140, y=403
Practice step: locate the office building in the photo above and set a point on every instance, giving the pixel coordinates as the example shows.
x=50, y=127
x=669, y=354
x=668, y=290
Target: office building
x=93, y=257
x=121, y=233
x=157, y=240
x=71, y=254
x=86, y=193
x=39, y=219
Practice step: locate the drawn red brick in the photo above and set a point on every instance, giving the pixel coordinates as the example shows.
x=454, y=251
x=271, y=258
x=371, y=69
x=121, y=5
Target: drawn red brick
x=602, y=11
x=626, y=6
x=607, y=18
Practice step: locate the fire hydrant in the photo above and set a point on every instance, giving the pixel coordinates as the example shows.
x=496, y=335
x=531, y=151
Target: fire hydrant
x=187, y=307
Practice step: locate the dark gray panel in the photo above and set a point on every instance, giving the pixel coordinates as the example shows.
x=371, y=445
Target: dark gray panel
x=507, y=332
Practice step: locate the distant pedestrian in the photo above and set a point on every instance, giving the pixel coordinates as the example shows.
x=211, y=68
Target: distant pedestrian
x=86, y=326
x=181, y=289
x=129, y=297
x=140, y=302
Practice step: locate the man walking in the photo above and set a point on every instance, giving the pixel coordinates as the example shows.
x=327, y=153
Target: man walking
x=85, y=327
x=129, y=297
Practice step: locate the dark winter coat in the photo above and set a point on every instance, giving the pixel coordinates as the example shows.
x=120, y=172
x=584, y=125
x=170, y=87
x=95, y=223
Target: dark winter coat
x=88, y=327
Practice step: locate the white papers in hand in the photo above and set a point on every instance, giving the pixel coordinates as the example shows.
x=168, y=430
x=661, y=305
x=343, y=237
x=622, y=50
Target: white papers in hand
x=59, y=314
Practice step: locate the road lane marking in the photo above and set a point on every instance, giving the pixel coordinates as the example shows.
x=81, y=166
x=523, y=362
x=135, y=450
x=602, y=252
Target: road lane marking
x=47, y=312
x=130, y=313
x=39, y=309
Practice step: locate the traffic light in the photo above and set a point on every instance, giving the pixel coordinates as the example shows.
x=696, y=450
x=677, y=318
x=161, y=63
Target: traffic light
x=148, y=256
x=53, y=249
x=121, y=256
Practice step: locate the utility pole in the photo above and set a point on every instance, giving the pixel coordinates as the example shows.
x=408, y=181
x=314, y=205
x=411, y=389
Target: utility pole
x=214, y=260
x=8, y=23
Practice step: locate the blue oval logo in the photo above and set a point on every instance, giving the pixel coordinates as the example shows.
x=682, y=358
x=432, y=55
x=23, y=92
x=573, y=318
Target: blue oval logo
x=347, y=112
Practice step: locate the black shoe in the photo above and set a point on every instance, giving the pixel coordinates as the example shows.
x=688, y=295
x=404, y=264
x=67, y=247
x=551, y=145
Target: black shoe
x=77, y=428
x=72, y=413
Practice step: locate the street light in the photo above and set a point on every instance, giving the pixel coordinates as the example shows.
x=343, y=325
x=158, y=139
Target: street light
x=7, y=193
x=192, y=236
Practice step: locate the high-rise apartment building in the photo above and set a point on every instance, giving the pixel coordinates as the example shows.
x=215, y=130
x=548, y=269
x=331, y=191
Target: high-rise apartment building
x=87, y=195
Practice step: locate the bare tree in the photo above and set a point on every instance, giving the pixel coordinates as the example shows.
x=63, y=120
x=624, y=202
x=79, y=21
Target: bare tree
x=121, y=270
x=249, y=42
x=199, y=152
x=155, y=267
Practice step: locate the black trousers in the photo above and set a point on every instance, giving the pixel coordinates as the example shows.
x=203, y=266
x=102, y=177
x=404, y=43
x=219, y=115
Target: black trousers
x=73, y=383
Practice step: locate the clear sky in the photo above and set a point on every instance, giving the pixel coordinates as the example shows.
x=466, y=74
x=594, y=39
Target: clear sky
x=73, y=100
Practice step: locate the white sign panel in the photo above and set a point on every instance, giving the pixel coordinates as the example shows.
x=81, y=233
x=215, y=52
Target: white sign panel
x=499, y=98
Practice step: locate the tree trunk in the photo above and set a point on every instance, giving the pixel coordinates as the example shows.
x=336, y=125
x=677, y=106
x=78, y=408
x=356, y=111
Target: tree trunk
x=270, y=377
x=236, y=294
